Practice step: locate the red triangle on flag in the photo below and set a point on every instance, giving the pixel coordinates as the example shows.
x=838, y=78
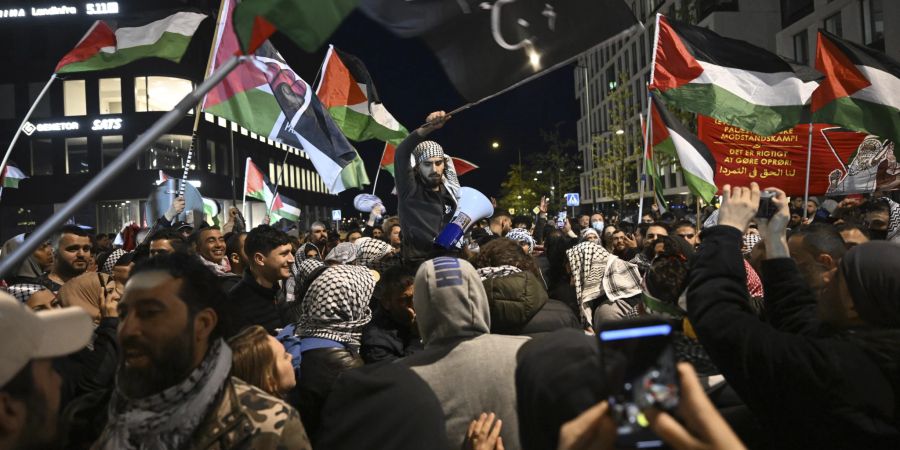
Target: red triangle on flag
x=842, y=77
x=100, y=35
x=338, y=87
x=674, y=64
x=387, y=158
x=462, y=166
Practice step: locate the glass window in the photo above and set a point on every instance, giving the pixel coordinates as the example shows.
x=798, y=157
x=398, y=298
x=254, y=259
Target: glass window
x=272, y=170
x=209, y=158
x=8, y=105
x=76, y=155
x=873, y=13
x=834, y=25
x=159, y=93
x=41, y=157
x=43, y=108
x=113, y=216
x=110, y=96
x=801, y=47
x=168, y=152
x=222, y=122
x=74, y=98
x=111, y=147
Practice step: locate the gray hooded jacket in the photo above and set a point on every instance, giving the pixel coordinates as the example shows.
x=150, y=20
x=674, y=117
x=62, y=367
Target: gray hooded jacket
x=470, y=370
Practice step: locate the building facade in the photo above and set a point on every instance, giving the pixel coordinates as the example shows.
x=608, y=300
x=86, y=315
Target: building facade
x=786, y=27
x=85, y=120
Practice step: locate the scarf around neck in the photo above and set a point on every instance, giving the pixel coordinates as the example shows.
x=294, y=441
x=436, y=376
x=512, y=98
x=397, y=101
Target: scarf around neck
x=168, y=419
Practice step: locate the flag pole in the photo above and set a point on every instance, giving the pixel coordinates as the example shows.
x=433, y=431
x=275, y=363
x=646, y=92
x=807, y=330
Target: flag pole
x=197, y=112
x=120, y=163
x=244, y=198
x=378, y=170
x=277, y=183
x=808, y=158
x=644, y=165
x=27, y=116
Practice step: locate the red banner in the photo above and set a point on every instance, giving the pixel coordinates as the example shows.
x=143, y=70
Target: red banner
x=843, y=162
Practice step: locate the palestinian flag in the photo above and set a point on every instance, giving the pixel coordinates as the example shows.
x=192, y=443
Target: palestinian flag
x=107, y=45
x=211, y=210
x=349, y=94
x=309, y=23
x=860, y=89
x=387, y=161
x=738, y=83
x=267, y=97
x=289, y=209
x=697, y=163
x=12, y=176
x=650, y=164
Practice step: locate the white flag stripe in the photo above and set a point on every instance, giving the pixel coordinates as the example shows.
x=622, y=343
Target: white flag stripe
x=184, y=23
x=690, y=158
x=884, y=89
x=758, y=88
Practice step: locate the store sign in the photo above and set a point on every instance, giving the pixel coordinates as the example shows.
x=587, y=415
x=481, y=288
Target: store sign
x=90, y=8
x=106, y=124
x=57, y=126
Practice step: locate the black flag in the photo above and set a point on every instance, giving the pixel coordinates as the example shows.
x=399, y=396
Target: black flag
x=488, y=46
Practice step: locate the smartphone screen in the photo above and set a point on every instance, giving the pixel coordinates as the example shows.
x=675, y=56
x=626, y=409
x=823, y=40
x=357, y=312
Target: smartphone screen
x=561, y=219
x=639, y=363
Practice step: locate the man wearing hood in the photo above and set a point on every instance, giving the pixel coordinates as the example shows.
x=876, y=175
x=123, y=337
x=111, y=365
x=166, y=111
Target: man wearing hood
x=465, y=369
x=426, y=192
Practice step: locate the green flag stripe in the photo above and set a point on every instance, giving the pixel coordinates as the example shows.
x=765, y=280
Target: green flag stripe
x=362, y=127
x=711, y=100
x=170, y=46
x=255, y=109
x=864, y=116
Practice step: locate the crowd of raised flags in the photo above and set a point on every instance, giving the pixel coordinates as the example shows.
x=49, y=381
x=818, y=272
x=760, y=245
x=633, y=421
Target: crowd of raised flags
x=693, y=69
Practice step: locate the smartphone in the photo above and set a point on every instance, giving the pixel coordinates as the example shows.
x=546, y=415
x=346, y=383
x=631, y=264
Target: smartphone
x=640, y=366
x=766, y=208
x=561, y=219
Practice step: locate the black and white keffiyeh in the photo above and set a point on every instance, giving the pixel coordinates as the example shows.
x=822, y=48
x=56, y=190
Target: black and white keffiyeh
x=597, y=272
x=370, y=251
x=23, y=291
x=343, y=253
x=336, y=306
x=894, y=221
x=431, y=149
x=111, y=260
x=490, y=273
x=522, y=237
x=168, y=419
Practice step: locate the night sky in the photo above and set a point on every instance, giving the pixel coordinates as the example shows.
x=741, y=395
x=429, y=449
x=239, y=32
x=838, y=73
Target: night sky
x=411, y=84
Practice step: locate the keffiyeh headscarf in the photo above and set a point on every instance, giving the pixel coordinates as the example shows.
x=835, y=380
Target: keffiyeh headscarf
x=489, y=273
x=749, y=241
x=371, y=251
x=521, y=236
x=431, y=149
x=336, y=306
x=893, y=220
x=598, y=272
x=168, y=419
x=343, y=253
x=587, y=232
x=111, y=260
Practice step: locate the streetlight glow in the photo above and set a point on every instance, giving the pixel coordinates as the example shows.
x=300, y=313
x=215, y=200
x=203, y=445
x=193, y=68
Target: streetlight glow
x=620, y=132
x=534, y=58
x=495, y=145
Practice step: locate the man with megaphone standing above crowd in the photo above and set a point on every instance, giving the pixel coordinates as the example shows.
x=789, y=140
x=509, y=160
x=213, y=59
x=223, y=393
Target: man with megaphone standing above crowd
x=427, y=190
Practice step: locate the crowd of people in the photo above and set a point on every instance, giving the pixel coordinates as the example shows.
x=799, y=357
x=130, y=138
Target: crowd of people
x=786, y=328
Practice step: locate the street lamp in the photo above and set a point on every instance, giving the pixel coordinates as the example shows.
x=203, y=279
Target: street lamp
x=495, y=145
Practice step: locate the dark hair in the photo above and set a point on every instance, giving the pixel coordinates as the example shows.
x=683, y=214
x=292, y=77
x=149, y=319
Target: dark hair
x=21, y=385
x=498, y=216
x=396, y=279
x=263, y=239
x=555, y=246
x=200, y=288
x=852, y=225
x=642, y=228
x=684, y=223
x=318, y=223
x=818, y=238
x=660, y=225
x=195, y=236
x=667, y=278
x=504, y=252
x=233, y=244
x=176, y=240
x=74, y=229
x=524, y=220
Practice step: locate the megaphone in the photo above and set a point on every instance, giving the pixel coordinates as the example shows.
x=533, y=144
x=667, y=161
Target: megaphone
x=366, y=202
x=472, y=207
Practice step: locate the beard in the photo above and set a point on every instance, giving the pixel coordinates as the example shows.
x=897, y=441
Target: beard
x=170, y=365
x=68, y=270
x=37, y=433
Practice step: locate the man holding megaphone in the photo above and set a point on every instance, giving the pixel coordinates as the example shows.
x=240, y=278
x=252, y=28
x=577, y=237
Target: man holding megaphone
x=427, y=190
